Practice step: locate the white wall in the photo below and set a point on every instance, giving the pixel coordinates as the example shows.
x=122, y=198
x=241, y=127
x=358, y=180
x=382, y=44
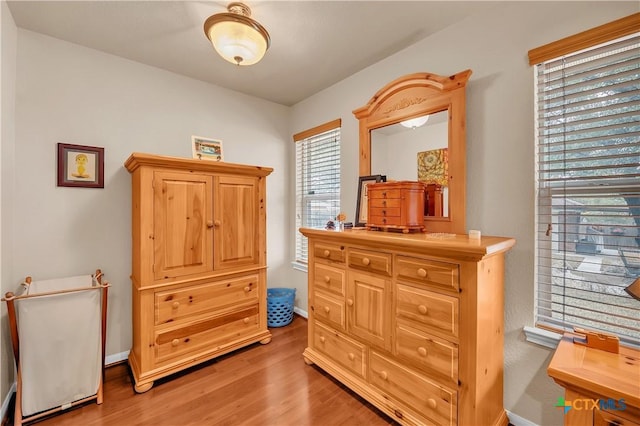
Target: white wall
x=7, y=133
x=500, y=151
x=72, y=94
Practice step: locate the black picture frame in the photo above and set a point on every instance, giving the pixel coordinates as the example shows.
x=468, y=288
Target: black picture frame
x=361, y=205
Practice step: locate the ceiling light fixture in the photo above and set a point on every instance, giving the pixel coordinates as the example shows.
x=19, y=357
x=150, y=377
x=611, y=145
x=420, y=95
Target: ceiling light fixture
x=414, y=123
x=236, y=37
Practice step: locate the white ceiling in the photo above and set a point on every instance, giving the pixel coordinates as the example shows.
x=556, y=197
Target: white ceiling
x=314, y=44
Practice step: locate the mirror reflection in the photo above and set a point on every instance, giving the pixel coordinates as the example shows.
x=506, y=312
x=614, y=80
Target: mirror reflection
x=413, y=150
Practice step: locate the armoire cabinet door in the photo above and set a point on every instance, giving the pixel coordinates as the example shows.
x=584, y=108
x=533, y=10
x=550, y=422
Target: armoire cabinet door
x=236, y=222
x=182, y=222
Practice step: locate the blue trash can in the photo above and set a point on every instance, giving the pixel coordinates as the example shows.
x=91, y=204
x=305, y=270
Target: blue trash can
x=280, y=306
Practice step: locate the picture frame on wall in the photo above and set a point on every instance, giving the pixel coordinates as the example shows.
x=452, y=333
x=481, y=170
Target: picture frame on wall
x=362, y=203
x=206, y=149
x=80, y=166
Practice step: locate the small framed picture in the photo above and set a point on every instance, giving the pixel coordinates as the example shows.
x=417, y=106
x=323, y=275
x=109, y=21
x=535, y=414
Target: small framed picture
x=206, y=149
x=362, y=204
x=80, y=166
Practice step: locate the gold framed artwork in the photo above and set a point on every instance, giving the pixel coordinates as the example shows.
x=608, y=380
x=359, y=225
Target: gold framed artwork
x=206, y=149
x=80, y=166
x=433, y=166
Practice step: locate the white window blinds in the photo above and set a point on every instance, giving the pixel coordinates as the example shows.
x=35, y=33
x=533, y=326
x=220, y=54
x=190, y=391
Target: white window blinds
x=588, y=189
x=317, y=180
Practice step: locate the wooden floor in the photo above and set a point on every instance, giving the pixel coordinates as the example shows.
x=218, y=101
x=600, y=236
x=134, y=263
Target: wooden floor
x=258, y=385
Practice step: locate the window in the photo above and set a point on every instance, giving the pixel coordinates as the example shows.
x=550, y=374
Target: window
x=588, y=187
x=317, y=180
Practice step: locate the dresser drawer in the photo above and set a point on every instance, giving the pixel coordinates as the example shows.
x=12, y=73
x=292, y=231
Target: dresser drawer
x=329, y=278
x=371, y=261
x=384, y=193
x=329, y=252
x=435, y=312
x=347, y=352
x=385, y=211
x=384, y=221
x=427, y=398
x=429, y=272
x=608, y=418
x=430, y=353
x=329, y=310
x=174, y=305
x=385, y=203
x=206, y=335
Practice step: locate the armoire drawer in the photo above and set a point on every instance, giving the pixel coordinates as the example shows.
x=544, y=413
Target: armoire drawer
x=328, y=252
x=425, y=397
x=205, y=335
x=345, y=351
x=425, y=309
x=329, y=310
x=429, y=272
x=429, y=353
x=371, y=261
x=329, y=278
x=178, y=304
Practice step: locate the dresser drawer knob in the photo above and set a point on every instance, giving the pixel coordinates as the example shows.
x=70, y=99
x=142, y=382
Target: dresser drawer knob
x=327, y=279
x=422, y=309
x=246, y=320
x=326, y=253
x=351, y=356
x=247, y=289
x=422, y=351
x=327, y=309
x=384, y=194
x=217, y=223
x=175, y=342
x=384, y=203
x=322, y=339
x=422, y=273
x=350, y=302
x=431, y=403
x=383, y=375
x=366, y=261
x=209, y=224
x=175, y=305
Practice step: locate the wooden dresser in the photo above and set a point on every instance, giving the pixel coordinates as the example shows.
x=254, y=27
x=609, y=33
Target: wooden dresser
x=199, y=262
x=601, y=388
x=396, y=206
x=411, y=322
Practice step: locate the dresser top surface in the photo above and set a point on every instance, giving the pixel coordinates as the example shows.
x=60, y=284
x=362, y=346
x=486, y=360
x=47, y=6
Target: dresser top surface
x=615, y=375
x=436, y=243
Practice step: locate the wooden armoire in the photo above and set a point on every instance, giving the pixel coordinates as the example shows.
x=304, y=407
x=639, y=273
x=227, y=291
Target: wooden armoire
x=199, y=262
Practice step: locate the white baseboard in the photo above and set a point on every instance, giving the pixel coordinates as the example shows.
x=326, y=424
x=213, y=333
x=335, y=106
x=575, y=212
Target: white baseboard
x=300, y=312
x=112, y=359
x=516, y=420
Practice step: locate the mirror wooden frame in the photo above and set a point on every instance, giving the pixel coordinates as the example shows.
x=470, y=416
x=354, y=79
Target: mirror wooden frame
x=411, y=96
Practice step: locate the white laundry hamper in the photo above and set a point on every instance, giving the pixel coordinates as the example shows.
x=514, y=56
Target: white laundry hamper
x=58, y=332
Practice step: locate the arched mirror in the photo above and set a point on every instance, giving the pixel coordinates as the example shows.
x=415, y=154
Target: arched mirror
x=414, y=129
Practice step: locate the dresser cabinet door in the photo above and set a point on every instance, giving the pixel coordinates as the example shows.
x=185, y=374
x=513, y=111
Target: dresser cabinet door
x=368, y=308
x=182, y=237
x=235, y=222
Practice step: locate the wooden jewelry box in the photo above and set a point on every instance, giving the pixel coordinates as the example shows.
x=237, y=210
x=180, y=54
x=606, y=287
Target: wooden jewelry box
x=397, y=206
